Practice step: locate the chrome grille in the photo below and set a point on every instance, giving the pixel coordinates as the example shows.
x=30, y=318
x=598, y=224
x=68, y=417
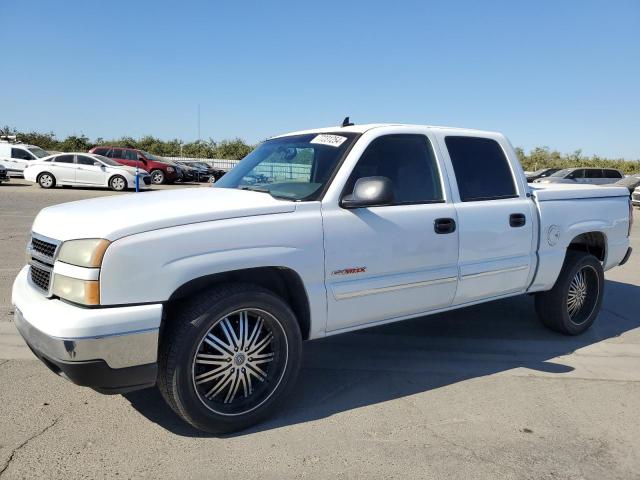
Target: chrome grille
x=41, y=277
x=44, y=248
x=636, y=196
x=42, y=251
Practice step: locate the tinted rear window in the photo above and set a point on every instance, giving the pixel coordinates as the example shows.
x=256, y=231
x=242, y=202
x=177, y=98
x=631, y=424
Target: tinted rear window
x=481, y=168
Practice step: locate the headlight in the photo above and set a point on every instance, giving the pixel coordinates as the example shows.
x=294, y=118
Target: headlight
x=86, y=292
x=171, y=169
x=83, y=253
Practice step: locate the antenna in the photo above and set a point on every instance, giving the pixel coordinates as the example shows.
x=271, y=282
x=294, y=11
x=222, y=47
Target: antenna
x=346, y=122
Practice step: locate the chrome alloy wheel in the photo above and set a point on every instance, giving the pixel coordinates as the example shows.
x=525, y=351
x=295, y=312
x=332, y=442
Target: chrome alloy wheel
x=240, y=362
x=583, y=294
x=157, y=177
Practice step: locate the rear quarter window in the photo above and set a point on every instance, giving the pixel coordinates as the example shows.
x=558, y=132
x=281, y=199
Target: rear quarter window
x=481, y=168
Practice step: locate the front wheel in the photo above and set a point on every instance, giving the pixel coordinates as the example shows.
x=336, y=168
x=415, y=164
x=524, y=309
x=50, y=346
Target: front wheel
x=157, y=177
x=229, y=357
x=46, y=180
x=574, y=302
x=117, y=183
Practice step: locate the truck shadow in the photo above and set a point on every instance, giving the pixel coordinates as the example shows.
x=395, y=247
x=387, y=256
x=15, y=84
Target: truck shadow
x=379, y=364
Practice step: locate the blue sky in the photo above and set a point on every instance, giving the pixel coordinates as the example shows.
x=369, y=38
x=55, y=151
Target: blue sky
x=560, y=73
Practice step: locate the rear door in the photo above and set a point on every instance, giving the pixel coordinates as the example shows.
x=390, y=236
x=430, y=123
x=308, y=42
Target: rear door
x=118, y=155
x=64, y=168
x=495, y=218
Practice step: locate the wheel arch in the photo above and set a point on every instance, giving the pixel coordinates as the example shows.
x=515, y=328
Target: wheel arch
x=282, y=281
x=593, y=242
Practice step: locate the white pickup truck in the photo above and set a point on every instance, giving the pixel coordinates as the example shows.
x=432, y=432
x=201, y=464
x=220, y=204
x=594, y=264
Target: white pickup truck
x=210, y=292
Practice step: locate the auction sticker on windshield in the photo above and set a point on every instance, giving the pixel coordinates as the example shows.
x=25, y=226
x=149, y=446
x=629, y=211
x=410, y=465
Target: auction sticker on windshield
x=331, y=140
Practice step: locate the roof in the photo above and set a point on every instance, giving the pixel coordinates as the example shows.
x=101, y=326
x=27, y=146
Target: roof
x=369, y=126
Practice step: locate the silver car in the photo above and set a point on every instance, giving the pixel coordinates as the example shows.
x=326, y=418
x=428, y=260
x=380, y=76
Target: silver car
x=593, y=176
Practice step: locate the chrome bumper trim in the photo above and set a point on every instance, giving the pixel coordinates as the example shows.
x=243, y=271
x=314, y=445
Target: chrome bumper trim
x=118, y=351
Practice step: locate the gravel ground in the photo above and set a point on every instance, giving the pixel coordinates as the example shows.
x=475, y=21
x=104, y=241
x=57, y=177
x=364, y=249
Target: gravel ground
x=484, y=392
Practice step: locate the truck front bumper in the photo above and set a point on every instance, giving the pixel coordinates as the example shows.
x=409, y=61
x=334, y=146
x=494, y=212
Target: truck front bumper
x=110, y=349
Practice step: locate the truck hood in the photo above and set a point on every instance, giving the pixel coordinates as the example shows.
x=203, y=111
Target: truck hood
x=116, y=217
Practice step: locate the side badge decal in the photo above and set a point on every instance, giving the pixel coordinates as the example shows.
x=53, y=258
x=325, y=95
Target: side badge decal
x=349, y=271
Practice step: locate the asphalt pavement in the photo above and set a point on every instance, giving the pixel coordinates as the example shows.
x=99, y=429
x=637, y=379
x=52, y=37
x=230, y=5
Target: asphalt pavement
x=484, y=392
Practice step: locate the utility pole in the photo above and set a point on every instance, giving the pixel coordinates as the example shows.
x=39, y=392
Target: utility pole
x=198, y=123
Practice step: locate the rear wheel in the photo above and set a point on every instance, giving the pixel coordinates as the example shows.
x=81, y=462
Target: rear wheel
x=229, y=357
x=118, y=183
x=157, y=177
x=574, y=302
x=46, y=180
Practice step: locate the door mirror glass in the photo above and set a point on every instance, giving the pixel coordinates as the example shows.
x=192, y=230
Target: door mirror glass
x=97, y=164
x=369, y=192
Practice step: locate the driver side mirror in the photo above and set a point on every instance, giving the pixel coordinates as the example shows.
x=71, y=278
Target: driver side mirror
x=369, y=192
x=97, y=163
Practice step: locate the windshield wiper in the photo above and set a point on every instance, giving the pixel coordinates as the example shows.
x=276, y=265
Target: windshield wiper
x=256, y=188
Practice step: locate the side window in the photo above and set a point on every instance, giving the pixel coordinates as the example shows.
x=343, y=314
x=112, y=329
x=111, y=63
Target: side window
x=576, y=174
x=408, y=161
x=117, y=153
x=481, y=168
x=82, y=160
x=612, y=174
x=63, y=159
x=130, y=155
x=21, y=154
x=101, y=151
x=593, y=173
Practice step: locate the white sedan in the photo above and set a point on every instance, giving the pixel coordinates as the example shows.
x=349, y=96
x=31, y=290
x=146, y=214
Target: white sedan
x=84, y=169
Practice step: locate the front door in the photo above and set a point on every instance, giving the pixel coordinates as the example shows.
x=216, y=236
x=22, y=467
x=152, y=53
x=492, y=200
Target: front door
x=495, y=219
x=89, y=174
x=389, y=262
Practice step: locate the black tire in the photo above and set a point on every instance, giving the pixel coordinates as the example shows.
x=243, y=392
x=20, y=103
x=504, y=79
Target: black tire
x=553, y=307
x=158, y=177
x=118, y=183
x=46, y=180
x=195, y=321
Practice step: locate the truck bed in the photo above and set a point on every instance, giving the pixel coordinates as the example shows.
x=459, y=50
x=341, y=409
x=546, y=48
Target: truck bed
x=563, y=191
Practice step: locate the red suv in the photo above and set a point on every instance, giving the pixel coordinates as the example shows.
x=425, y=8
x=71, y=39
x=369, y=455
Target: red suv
x=160, y=170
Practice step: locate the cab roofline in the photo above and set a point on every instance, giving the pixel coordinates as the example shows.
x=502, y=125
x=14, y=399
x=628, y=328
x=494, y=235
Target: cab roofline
x=369, y=126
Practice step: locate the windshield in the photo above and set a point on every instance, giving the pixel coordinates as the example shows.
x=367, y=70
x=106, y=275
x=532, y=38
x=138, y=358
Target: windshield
x=294, y=168
x=107, y=161
x=38, y=152
x=151, y=156
x=561, y=173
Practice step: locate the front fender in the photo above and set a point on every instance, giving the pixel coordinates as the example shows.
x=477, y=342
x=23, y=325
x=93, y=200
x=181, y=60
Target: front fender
x=149, y=267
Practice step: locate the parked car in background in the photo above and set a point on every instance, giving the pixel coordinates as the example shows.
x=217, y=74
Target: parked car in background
x=84, y=169
x=593, y=176
x=210, y=292
x=542, y=173
x=189, y=173
x=630, y=181
x=14, y=156
x=204, y=170
x=161, y=171
x=635, y=197
x=4, y=176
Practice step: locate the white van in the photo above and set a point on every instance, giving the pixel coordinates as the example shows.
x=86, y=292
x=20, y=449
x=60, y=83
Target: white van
x=15, y=155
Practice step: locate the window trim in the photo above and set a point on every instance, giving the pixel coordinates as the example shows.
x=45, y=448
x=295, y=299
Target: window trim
x=514, y=178
x=443, y=192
